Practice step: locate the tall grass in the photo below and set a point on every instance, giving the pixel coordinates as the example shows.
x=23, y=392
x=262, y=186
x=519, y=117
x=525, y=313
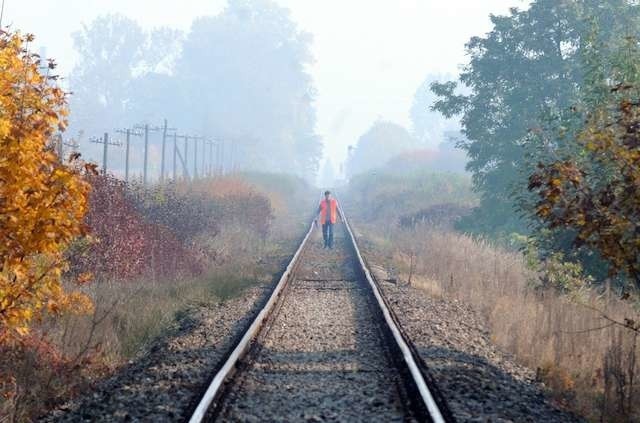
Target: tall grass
x=590, y=363
x=244, y=246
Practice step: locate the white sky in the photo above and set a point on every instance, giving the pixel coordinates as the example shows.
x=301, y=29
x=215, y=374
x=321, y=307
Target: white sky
x=370, y=55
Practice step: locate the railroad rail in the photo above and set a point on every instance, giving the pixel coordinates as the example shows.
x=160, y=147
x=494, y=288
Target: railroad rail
x=326, y=341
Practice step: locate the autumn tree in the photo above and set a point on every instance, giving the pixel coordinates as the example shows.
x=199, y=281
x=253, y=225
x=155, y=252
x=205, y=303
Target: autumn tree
x=42, y=201
x=527, y=71
x=597, y=195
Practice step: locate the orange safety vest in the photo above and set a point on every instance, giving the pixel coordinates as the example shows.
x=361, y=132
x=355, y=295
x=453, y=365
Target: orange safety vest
x=333, y=211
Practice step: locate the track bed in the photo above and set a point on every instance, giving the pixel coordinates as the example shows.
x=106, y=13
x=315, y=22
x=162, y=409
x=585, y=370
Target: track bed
x=322, y=354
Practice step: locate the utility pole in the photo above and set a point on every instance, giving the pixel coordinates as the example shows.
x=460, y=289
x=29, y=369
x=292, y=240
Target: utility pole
x=222, y=162
x=128, y=133
x=195, y=158
x=204, y=156
x=175, y=153
x=186, y=156
x=73, y=144
x=165, y=129
x=146, y=129
x=106, y=143
x=211, y=158
x=126, y=160
x=146, y=154
x=183, y=158
x=1, y=14
x=164, y=143
x=195, y=155
x=60, y=143
x=220, y=157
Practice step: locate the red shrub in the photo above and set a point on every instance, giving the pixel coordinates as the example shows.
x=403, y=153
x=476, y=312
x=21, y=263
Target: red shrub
x=124, y=244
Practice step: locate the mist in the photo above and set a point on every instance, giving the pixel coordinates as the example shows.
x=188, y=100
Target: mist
x=296, y=210
x=271, y=85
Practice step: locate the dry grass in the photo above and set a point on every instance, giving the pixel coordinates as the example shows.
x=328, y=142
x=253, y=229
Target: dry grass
x=590, y=370
x=70, y=352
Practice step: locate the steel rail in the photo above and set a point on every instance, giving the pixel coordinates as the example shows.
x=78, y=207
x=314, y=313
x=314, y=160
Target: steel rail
x=218, y=381
x=428, y=399
x=239, y=351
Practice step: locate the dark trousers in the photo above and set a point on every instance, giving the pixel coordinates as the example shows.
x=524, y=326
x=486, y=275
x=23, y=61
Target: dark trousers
x=327, y=234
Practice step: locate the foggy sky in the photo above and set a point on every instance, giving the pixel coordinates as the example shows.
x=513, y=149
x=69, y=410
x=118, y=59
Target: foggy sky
x=370, y=55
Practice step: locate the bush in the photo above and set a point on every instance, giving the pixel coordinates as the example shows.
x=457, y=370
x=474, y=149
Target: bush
x=123, y=243
x=380, y=195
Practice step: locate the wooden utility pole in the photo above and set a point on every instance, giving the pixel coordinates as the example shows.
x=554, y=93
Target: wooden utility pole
x=126, y=160
x=195, y=158
x=106, y=143
x=164, y=143
x=219, y=157
x=195, y=155
x=183, y=158
x=211, y=158
x=165, y=129
x=186, y=155
x=222, y=161
x=73, y=144
x=175, y=153
x=146, y=128
x=128, y=134
x=1, y=14
x=204, y=156
x=146, y=154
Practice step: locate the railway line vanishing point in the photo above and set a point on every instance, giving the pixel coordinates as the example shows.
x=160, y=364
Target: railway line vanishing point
x=325, y=347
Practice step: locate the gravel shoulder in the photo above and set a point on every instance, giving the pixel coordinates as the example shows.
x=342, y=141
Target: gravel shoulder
x=479, y=381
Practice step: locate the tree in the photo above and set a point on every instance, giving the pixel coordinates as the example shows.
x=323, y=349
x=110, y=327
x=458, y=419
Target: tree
x=380, y=143
x=597, y=196
x=245, y=79
x=122, y=76
x=239, y=76
x=526, y=73
x=109, y=50
x=429, y=126
x=42, y=201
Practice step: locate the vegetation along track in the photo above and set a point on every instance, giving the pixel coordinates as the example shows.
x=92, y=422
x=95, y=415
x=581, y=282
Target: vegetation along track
x=325, y=347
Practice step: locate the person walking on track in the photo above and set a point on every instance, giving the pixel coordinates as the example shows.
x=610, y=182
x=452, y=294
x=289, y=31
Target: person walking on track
x=328, y=211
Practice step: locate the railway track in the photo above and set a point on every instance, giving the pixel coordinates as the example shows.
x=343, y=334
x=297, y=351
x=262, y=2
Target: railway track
x=326, y=346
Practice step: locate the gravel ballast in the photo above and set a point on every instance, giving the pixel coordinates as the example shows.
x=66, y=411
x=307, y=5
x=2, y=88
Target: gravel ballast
x=322, y=356
x=480, y=382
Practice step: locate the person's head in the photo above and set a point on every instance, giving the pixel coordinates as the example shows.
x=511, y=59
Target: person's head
x=327, y=194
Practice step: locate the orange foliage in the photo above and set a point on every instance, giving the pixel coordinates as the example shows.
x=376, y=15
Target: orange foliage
x=42, y=201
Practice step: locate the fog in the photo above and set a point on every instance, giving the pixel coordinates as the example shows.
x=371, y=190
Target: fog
x=290, y=84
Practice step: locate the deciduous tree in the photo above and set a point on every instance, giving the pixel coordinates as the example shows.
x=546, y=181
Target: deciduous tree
x=597, y=195
x=42, y=201
x=527, y=71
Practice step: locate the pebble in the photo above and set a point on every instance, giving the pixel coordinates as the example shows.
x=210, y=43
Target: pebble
x=479, y=381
